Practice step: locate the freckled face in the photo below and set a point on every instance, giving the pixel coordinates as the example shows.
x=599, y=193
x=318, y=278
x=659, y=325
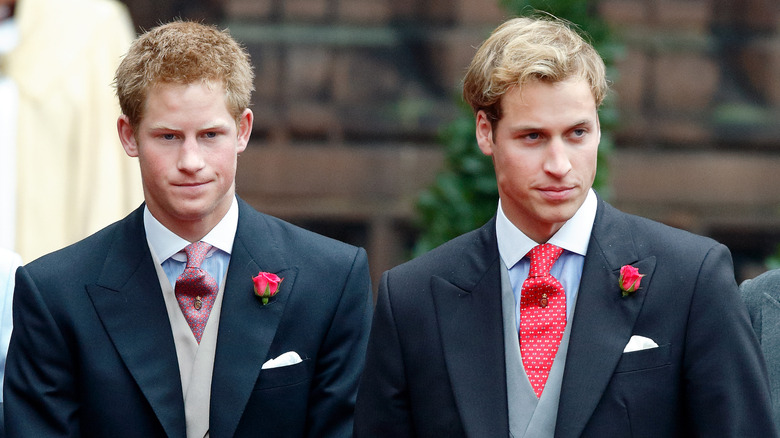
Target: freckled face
x=187, y=144
x=544, y=152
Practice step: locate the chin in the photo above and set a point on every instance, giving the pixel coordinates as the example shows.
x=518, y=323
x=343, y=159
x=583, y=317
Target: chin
x=560, y=216
x=191, y=212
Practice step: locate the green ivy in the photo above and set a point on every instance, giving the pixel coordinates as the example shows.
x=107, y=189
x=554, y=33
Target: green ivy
x=464, y=195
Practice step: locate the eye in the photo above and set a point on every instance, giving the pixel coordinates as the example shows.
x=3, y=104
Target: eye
x=210, y=134
x=533, y=136
x=168, y=136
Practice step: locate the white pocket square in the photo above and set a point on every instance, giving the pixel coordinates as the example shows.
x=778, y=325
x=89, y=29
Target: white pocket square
x=637, y=343
x=286, y=359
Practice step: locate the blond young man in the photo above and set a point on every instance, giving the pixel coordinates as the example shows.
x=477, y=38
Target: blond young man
x=481, y=337
x=152, y=326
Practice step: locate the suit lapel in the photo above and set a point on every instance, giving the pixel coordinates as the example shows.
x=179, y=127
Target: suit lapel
x=603, y=319
x=246, y=327
x=468, y=310
x=129, y=302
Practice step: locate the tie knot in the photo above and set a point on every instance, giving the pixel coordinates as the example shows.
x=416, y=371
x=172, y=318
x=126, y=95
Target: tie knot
x=196, y=252
x=543, y=257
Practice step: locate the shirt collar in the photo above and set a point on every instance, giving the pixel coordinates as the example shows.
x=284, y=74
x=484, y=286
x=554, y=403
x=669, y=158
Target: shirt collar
x=165, y=243
x=573, y=236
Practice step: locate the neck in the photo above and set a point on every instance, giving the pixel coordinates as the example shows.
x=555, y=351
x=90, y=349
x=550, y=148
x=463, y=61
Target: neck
x=539, y=233
x=191, y=231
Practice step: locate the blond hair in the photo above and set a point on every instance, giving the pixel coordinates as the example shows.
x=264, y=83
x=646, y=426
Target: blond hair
x=183, y=52
x=524, y=49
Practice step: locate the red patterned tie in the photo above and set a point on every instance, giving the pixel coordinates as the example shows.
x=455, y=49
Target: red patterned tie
x=196, y=289
x=542, y=316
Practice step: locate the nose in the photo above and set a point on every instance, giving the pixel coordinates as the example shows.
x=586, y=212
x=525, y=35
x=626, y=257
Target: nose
x=190, y=156
x=557, y=161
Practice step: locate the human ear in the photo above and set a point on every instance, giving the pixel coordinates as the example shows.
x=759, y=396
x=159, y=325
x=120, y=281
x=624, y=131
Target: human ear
x=127, y=136
x=244, y=129
x=484, y=133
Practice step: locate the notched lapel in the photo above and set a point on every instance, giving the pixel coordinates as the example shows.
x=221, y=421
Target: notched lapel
x=471, y=329
x=246, y=331
x=129, y=302
x=603, y=321
x=142, y=336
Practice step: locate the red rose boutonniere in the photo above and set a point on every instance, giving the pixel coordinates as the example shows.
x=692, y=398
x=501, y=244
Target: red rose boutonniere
x=629, y=279
x=266, y=285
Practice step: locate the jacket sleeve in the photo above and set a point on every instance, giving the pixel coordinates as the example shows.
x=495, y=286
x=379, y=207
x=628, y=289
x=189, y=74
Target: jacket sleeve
x=40, y=395
x=724, y=370
x=336, y=378
x=383, y=408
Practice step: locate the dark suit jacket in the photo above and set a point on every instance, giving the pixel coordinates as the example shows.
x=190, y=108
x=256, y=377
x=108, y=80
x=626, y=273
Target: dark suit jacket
x=435, y=365
x=762, y=297
x=92, y=353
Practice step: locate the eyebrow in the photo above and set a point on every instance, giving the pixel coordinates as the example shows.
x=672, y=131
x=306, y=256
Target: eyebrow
x=522, y=128
x=584, y=122
x=206, y=127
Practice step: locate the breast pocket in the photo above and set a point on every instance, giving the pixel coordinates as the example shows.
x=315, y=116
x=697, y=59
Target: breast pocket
x=278, y=403
x=644, y=359
x=284, y=376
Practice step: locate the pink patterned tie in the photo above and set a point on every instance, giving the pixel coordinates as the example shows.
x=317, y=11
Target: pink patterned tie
x=196, y=289
x=542, y=316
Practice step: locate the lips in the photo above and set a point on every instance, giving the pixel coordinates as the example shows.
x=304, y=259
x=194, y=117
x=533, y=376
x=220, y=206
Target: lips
x=191, y=184
x=556, y=193
x=189, y=189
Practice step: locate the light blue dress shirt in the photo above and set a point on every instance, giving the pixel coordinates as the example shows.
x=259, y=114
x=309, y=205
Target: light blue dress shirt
x=169, y=248
x=573, y=237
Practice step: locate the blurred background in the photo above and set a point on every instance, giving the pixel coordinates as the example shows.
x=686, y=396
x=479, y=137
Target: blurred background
x=353, y=98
